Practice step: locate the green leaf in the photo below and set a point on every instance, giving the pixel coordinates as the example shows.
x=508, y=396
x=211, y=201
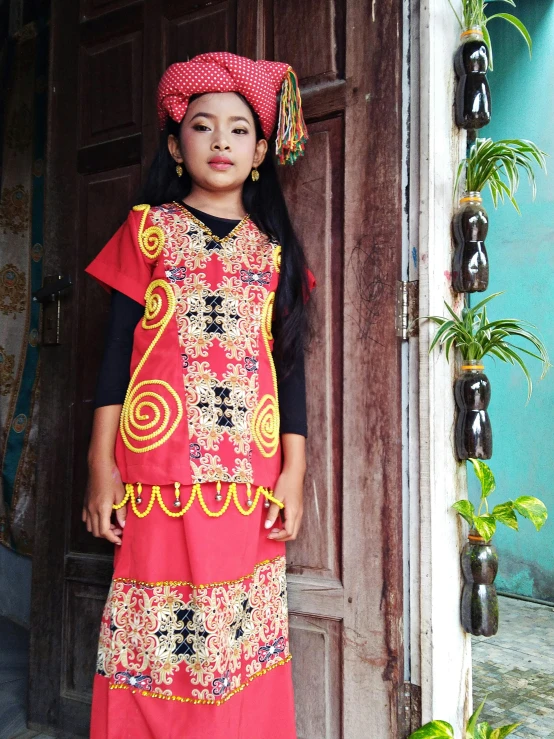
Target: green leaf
x=472, y=723
x=504, y=513
x=533, y=509
x=466, y=509
x=517, y=24
x=503, y=731
x=485, y=525
x=483, y=731
x=485, y=476
x=434, y=730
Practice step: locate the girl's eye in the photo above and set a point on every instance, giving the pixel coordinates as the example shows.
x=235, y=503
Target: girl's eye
x=199, y=125
x=242, y=130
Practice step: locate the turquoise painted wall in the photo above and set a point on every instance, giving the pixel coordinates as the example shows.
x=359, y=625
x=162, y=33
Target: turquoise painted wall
x=521, y=252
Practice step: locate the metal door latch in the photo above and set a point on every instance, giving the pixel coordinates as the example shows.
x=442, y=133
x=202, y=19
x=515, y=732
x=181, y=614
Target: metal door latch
x=49, y=295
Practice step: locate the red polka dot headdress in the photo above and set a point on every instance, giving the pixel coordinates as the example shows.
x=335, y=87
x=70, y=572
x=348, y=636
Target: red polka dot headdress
x=260, y=82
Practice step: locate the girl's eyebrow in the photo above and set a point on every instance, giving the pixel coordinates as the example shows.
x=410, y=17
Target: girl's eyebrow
x=231, y=117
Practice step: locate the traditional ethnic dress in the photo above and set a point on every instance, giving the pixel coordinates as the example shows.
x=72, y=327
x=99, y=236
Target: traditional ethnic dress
x=194, y=636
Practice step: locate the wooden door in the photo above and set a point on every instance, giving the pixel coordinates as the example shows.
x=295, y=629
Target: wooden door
x=345, y=570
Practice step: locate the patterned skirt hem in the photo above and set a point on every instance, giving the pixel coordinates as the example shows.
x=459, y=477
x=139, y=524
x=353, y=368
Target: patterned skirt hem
x=206, y=701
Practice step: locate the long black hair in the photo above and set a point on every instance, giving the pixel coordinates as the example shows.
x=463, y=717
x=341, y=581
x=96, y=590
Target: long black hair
x=264, y=202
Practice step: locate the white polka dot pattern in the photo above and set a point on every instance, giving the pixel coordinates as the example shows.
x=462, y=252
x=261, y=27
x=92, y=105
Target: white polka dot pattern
x=220, y=71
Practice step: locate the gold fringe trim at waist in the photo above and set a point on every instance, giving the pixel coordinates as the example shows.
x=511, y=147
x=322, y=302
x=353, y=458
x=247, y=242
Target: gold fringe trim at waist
x=196, y=492
x=216, y=702
x=279, y=559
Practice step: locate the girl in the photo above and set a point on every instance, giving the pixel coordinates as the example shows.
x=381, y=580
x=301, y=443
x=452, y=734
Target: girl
x=201, y=445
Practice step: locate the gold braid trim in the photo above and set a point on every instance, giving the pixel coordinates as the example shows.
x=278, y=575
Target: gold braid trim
x=151, y=241
x=186, y=583
x=218, y=702
x=265, y=423
x=277, y=257
x=133, y=414
x=196, y=492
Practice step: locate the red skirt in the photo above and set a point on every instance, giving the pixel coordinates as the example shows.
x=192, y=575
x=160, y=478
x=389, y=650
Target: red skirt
x=194, y=636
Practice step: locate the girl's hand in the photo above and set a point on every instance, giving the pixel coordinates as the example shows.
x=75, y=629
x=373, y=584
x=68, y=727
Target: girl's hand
x=104, y=488
x=289, y=490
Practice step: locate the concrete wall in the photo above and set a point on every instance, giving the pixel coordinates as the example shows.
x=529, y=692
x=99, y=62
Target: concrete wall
x=521, y=251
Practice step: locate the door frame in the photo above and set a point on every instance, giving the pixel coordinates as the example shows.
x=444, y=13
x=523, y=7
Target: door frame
x=373, y=669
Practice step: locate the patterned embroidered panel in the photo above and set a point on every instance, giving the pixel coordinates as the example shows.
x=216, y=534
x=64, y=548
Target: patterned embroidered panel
x=220, y=287
x=199, y=643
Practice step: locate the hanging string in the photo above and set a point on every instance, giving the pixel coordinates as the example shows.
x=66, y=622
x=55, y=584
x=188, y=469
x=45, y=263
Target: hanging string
x=292, y=132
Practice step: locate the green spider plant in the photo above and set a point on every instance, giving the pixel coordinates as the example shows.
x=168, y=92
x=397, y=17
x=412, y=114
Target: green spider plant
x=485, y=522
x=474, y=730
x=498, y=164
x=473, y=14
x=476, y=337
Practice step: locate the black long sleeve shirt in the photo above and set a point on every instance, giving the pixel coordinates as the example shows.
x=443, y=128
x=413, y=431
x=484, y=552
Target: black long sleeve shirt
x=125, y=313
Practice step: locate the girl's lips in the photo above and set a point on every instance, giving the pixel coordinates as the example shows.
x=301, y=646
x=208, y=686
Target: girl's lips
x=220, y=165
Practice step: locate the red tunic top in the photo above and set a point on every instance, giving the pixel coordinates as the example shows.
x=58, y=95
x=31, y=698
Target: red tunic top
x=202, y=372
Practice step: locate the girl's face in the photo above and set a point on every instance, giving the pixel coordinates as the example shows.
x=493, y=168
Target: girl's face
x=218, y=125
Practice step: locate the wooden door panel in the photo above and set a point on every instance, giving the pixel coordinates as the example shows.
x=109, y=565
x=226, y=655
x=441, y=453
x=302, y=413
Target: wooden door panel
x=314, y=189
x=92, y=8
x=111, y=88
x=317, y=676
x=201, y=28
x=345, y=570
x=108, y=193
x=310, y=36
x=84, y=604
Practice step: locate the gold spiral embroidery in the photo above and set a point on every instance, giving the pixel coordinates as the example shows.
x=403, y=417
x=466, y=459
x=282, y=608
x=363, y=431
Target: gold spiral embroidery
x=265, y=424
x=142, y=411
x=277, y=258
x=151, y=240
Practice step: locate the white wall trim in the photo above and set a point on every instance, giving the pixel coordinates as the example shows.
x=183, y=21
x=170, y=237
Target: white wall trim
x=441, y=651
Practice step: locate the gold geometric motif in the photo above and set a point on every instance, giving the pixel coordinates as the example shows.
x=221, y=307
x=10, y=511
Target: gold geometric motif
x=200, y=643
x=220, y=287
x=143, y=411
x=151, y=240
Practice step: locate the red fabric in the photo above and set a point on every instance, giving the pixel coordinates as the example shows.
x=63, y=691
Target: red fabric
x=200, y=550
x=120, y=264
x=220, y=71
x=238, y=281
x=311, y=283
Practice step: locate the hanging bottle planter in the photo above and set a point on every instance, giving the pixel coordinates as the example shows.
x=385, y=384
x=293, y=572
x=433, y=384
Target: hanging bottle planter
x=479, y=605
x=470, y=265
x=479, y=608
x=472, y=392
x=475, y=336
x=473, y=96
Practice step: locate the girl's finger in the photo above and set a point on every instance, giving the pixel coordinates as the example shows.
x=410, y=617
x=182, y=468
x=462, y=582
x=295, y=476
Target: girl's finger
x=121, y=515
x=285, y=533
x=271, y=515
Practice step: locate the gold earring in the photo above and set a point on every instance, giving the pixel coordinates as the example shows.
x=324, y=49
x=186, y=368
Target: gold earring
x=255, y=174
x=179, y=170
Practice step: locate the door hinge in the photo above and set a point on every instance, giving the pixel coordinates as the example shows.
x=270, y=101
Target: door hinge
x=412, y=708
x=407, y=306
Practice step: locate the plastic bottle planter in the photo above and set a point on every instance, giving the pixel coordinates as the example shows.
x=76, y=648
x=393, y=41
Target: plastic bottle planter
x=479, y=608
x=472, y=392
x=470, y=265
x=473, y=96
